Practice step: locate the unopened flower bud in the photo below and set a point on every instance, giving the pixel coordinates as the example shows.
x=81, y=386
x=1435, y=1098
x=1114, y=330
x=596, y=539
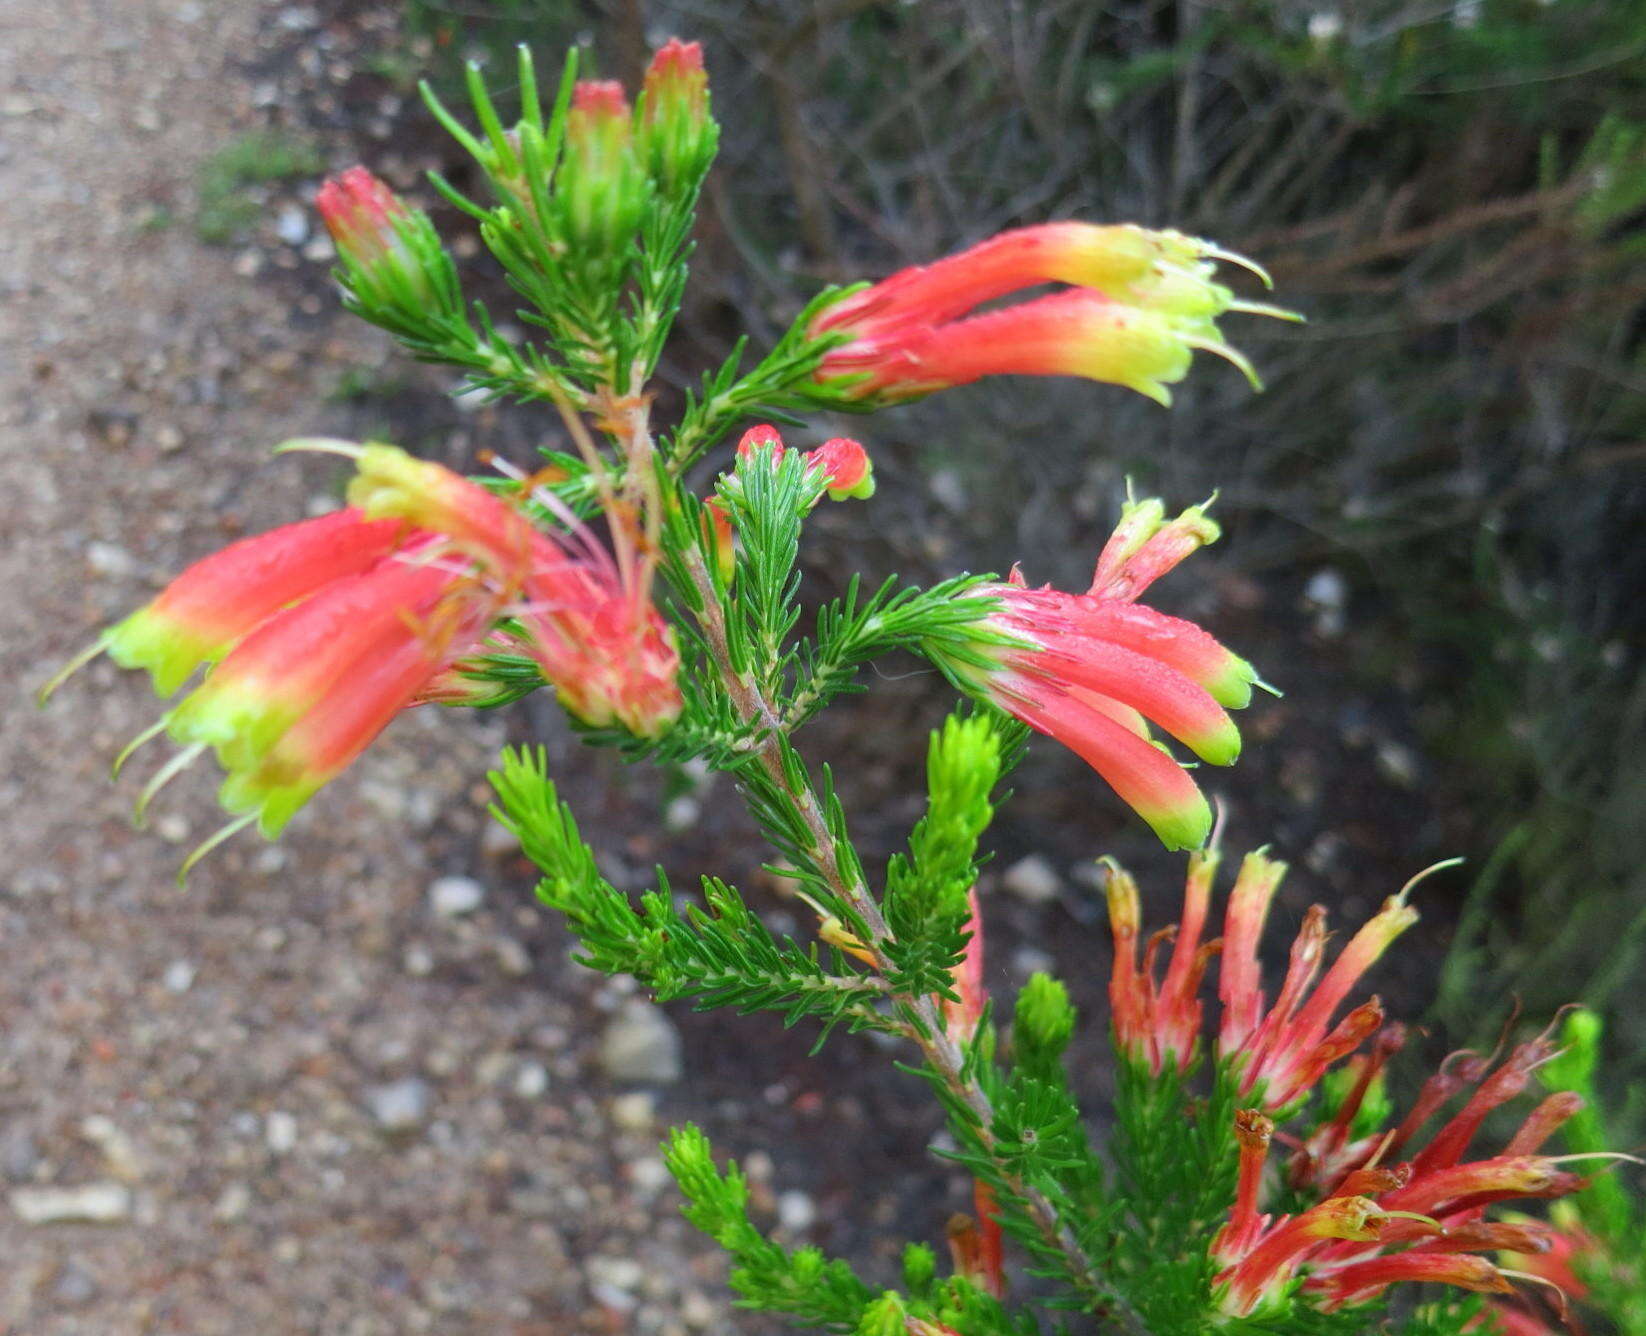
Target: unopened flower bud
x=847, y=466
x=387, y=248
x=676, y=134
x=601, y=189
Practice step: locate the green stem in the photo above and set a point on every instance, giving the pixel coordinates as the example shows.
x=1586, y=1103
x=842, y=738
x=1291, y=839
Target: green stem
x=942, y=1054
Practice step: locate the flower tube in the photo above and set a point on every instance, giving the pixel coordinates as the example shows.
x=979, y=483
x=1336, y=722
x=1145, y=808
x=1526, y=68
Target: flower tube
x=1094, y=671
x=1139, y=303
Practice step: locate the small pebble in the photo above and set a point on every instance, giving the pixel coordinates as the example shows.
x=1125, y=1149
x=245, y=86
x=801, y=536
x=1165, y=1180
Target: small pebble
x=682, y=814
x=1033, y=879
x=107, y=559
x=531, y=1081
x=93, y=1204
x=452, y=897
x=1327, y=596
x=19, y=1154
x=796, y=1211
x=232, y=1203
x=635, y=1111
x=292, y=225
x=74, y=1286
x=179, y=976
x=498, y=841
x=640, y=1045
x=623, y=1274
x=512, y=958
x=279, y=1132
x=400, y=1106
x=118, y=1150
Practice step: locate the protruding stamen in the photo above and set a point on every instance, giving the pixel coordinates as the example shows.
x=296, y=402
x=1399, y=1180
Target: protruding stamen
x=1231, y=355
x=68, y=670
x=152, y=731
x=1264, y=308
x=320, y=445
x=1234, y=258
x=206, y=846
x=1427, y=873
x=164, y=776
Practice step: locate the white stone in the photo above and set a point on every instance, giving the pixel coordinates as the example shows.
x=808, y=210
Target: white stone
x=796, y=1211
x=649, y=1176
x=451, y=897
x=399, y=1106
x=280, y=1131
x=179, y=976
x=641, y=1045
x=292, y=225
x=93, y=1204
x=1032, y=878
x=531, y=1081
x=635, y=1111
x=108, y=559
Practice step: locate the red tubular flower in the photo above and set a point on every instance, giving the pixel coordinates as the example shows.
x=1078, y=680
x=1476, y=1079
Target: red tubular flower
x=1282, y=1055
x=1091, y=670
x=1364, y=1281
x=1121, y=261
x=1432, y=1214
x=325, y=630
x=1279, y=1250
x=222, y=598
x=593, y=629
x=847, y=466
x=1065, y=334
x=1253, y=1132
x=1141, y=303
x=1159, y=1027
x=960, y=1018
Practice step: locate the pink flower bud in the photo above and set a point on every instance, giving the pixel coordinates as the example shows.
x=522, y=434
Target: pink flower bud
x=360, y=212
x=677, y=136
x=847, y=466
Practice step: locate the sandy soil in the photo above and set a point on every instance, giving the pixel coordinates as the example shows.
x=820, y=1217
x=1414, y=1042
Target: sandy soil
x=300, y=1098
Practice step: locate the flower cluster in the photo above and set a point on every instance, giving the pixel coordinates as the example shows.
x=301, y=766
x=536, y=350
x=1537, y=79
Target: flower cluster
x=1093, y=670
x=1392, y=1219
x=1390, y=1205
x=317, y=634
x=1138, y=304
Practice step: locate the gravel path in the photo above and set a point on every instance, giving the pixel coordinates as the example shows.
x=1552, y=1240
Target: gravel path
x=318, y=1090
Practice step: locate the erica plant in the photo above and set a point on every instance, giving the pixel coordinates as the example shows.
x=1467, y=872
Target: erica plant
x=1263, y=1180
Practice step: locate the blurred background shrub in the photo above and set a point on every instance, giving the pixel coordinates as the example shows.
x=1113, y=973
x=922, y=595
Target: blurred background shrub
x=1454, y=194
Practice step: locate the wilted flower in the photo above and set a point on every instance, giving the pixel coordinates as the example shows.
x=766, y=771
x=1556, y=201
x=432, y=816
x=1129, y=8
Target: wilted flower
x=1423, y=1217
x=1092, y=670
x=1142, y=303
x=1158, y=1024
x=1280, y=1054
